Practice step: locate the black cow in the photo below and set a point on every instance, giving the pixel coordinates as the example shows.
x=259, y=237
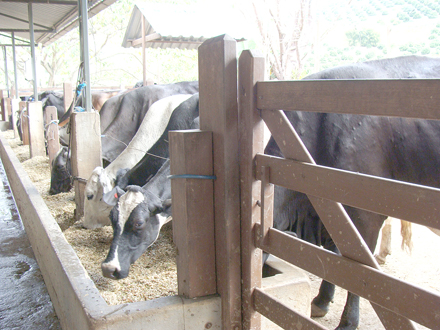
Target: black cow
x=61, y=166
x=128, y=111
x=137, y=219
x=135, y=206
x=395, y=148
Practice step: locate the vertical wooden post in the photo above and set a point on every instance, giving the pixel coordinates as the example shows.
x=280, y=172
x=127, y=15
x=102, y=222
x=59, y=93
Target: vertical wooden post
x=193, y=212
x=24, y=120
x=250, y=70
x=218, y=113
x=68, y=95
x=52, y=137
x=3, y=107
x=8, y=108
x=86, y=152
x=36, y=129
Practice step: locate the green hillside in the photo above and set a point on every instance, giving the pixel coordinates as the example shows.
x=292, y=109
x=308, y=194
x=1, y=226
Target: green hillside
x=374, y=29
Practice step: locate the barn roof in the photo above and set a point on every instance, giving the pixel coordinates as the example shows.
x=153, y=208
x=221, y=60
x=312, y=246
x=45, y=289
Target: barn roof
x=179, y=26
x=52, y=18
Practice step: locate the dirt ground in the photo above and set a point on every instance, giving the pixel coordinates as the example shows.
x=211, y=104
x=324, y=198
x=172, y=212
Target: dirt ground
x=421, y=268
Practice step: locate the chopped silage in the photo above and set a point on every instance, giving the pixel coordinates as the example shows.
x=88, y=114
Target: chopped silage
x=153, y=275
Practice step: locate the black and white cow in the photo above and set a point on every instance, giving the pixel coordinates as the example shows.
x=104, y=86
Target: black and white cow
x=127, y=112
x=395, y=148
x=138, y=216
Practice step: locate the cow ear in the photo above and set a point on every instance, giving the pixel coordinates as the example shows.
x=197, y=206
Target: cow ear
x=111, y=198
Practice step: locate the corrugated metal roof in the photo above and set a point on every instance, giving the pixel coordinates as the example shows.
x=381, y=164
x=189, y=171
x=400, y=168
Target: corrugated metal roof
x=52, y=18
x=180, y=26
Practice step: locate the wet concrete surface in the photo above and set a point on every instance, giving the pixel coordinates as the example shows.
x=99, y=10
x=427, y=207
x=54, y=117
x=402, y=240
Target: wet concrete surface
x=24, y=300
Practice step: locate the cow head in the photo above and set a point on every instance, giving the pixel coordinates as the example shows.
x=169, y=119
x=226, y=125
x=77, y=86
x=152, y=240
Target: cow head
x=96, y=211
x=61, y=173
x=136, y=219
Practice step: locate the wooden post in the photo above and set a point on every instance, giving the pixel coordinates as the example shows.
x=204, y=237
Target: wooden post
x=24, y=120
x=86, y=152
x=3, y=106
x=218, y=113
x=250, y=70
x=8, y=108
x=193, y=212
x=68, y=95
x=36, y=129
x=52, y=137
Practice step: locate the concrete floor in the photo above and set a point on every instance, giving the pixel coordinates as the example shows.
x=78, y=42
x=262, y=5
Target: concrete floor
x=24, y=300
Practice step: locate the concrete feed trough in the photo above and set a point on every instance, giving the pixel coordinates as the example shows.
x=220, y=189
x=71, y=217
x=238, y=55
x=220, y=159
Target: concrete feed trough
x=78, y=302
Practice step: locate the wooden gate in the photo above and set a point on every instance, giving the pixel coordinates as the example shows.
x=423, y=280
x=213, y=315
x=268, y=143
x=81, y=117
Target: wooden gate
x=261, y=100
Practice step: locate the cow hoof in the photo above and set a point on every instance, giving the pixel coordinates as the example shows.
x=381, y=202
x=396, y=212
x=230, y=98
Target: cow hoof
x=318, y=311
x=380, y=260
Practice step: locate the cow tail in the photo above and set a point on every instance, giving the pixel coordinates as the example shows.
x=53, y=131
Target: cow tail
x=406, y=232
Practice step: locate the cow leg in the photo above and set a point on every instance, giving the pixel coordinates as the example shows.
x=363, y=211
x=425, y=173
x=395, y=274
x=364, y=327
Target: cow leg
x=385, y=242
x=350, y=316
x=320, y=304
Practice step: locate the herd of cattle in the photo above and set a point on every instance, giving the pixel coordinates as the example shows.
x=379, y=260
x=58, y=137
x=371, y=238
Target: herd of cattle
x=133, y=193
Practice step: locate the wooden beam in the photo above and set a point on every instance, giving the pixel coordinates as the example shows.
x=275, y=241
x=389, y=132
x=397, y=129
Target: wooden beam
x=193, y=212
x=86, y=152
x=418, y=304
x=282, y=315
x=397, y=199
x=411, y=98
x=36, y=129
x=147, y=38
x=219, y=114
x=52, y=136
x=250, y=70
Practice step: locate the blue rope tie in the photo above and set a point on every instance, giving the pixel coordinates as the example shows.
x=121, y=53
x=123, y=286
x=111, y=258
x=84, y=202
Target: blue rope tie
x=80, y=88
x=192, y=176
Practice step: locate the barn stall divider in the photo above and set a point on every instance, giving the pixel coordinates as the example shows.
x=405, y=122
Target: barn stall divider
x=394, y=301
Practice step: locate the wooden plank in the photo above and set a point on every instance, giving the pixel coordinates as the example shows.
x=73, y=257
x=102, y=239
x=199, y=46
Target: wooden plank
x=397, y=199
x=36, y=129
x=218, y=113
x=282, y=315
x=68, y=95
x=251, y=69
x=3, y=108
x=411, y=301
x=411, y=98
x=334, y=217
x=193, y=212
x=52, y=136
x=86, y=153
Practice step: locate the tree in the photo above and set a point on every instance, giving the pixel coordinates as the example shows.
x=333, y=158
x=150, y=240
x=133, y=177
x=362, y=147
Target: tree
x=285, y=30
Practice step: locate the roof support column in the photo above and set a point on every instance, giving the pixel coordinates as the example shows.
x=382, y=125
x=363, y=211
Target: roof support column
x=144, y=72
x=6, y=70
x=31, y=32
x=84, y=36
x=15, y=66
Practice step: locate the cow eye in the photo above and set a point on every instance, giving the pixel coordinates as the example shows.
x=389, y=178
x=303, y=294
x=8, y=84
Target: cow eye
x=138, y=224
